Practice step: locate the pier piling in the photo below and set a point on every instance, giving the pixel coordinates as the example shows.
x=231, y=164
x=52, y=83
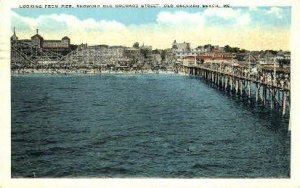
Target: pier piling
x=275, y=96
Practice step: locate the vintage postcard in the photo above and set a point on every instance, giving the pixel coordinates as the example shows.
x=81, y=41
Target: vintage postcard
x=143, y=94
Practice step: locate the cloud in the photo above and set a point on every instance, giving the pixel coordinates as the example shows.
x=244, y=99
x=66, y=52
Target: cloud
x=235, y=15
x=226, y=16
x=25, y=21
x=253, y=8
x=182, y=26
x=87, y=24
x=180, y=18
x=55, y=26
x=276, y=11
x=243, y=19
x=226, y=13
x=58, y=22
x=63, y=22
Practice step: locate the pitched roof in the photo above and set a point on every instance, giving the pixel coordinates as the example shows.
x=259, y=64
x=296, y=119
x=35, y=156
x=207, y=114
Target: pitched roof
x=66, y=37
x=268, y=54
x=39, y=36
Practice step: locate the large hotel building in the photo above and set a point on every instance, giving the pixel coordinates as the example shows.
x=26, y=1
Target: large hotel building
x=38, y=41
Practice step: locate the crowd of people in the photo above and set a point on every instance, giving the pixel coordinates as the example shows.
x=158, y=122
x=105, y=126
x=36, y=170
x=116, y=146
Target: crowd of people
x=273, y=77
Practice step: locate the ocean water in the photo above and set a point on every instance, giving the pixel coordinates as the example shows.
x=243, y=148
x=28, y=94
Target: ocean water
x=141, y=125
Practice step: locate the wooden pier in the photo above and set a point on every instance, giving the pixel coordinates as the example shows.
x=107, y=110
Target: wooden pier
x=269, y=89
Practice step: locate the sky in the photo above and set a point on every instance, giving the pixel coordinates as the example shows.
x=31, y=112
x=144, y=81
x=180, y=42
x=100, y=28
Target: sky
x=252, y=28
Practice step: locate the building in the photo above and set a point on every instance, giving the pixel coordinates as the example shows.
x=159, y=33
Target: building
x=132, y=52
x=267, y=58
x=181, y=49
x=157, y=58
x=283, y=55
x=38, y=41
x=14, y=36
x=216, y=56
x=38, y=48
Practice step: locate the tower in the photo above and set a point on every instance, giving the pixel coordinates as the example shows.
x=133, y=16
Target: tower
x=37, y=39
x=14, y=36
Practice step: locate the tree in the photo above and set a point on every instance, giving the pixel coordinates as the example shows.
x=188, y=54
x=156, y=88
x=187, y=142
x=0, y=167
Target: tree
x=208, y=47
x=242, y=51
x=227, y=48
x=145, y=52
x=235, y=49
x=136, y=45
x=156, y=51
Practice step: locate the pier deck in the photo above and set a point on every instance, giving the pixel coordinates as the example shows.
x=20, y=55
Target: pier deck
x=271, y=88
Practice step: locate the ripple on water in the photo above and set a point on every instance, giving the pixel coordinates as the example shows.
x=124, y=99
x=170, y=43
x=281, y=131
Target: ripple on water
x=141, y=126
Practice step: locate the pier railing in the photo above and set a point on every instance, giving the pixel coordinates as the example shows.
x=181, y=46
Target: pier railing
x=272, y=79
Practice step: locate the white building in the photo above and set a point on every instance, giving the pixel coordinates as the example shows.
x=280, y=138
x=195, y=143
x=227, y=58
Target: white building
x=181, y=49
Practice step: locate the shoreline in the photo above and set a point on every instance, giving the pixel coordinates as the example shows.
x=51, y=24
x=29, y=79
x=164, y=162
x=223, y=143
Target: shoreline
x=89, y=72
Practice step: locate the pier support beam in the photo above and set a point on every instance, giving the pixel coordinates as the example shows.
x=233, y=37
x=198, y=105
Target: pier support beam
x=249, y=89
x=283, y=103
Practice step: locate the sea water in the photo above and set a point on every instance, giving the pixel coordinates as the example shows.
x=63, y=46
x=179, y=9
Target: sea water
x=141, y=125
